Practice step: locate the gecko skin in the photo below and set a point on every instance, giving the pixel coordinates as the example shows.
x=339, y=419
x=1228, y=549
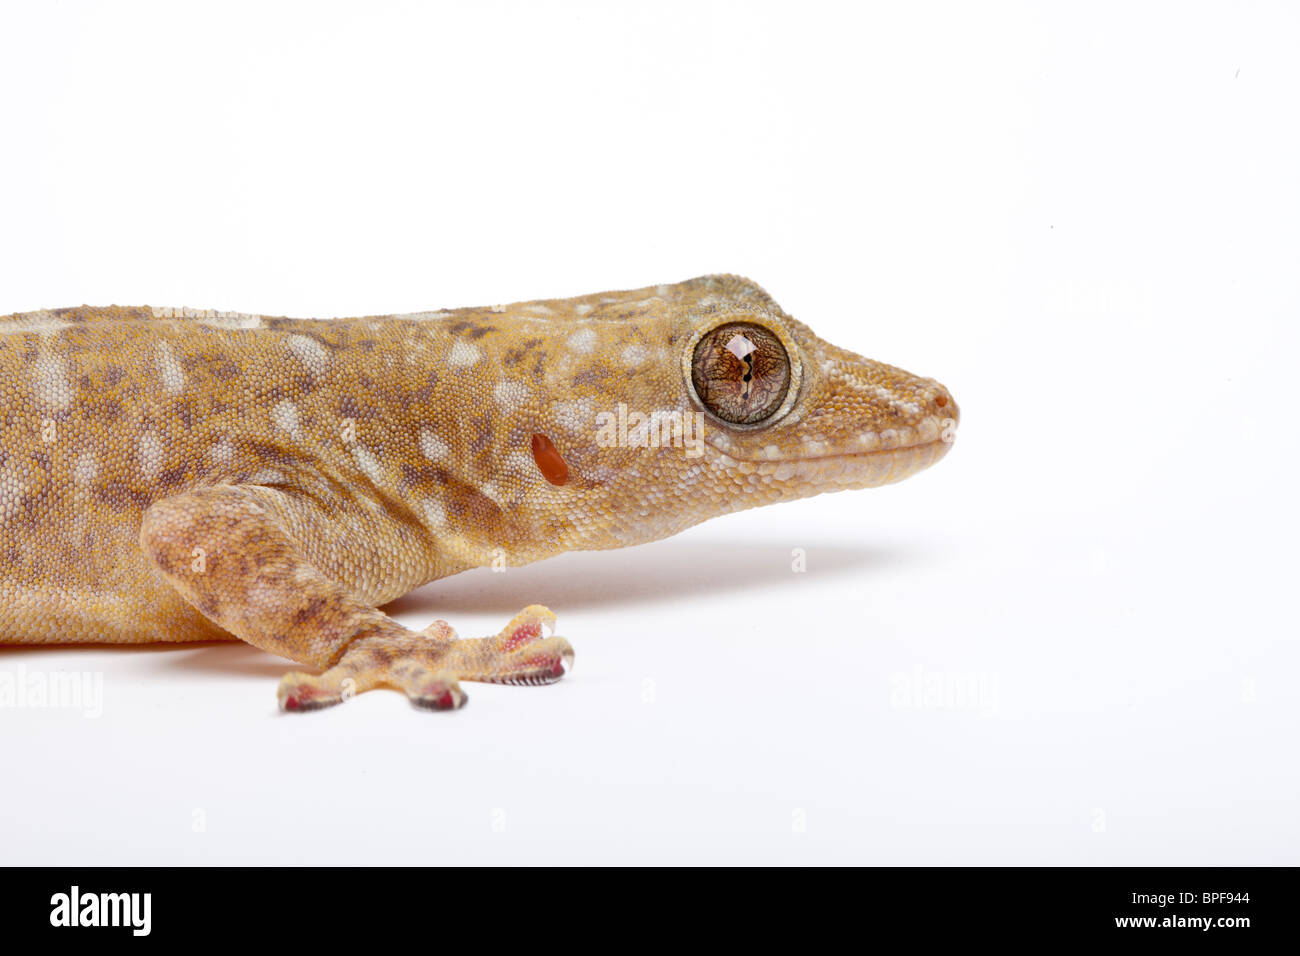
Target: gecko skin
x=167, y=475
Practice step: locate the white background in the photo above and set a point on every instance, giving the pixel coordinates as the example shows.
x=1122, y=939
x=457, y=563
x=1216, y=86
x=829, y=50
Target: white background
x=1085, y=222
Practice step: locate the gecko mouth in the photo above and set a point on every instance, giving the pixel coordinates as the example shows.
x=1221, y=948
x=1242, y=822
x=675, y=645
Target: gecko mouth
x=861, y=469
x=853, y=468
x=867, y=469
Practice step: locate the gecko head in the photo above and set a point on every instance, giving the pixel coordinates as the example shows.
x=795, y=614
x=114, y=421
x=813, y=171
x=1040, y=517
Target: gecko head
x=787, y=415
x=708, y=398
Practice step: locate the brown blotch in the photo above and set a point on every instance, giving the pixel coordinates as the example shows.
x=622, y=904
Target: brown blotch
x=473, y=330
x=313, y=610
x=482, y=433
x=225, y=370
x=425, y=392
x=109, y=411
x=549, y=461
x=595, y=375
x=172, y=476
x=348, y=408
x=515, y=356
x=184, y=411
x=269, y=452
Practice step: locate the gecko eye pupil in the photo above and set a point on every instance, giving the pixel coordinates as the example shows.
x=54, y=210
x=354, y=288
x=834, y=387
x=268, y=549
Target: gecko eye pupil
x=741, y=372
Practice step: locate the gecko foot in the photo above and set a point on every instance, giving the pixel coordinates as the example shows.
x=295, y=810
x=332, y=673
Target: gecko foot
x=428, y=665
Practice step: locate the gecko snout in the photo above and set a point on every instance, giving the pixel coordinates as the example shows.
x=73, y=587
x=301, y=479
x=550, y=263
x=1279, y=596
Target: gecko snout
x=944, y=405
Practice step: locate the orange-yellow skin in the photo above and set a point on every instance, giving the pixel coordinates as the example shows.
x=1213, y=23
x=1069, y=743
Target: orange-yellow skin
x=176, y=477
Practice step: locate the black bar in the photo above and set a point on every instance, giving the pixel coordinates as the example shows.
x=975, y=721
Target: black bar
x=961, y=905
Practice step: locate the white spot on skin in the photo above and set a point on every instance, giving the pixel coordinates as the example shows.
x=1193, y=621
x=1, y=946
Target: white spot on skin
x=661, y=290
x=267, y=476
x=223, y=452
x=583, y=309
x=86, y=468
x=584, y=340
x=149, y=452
x=367, y=462
x=285, y=417
x=538, y=309
x=313, y=356
x=431, y=446
x=634, y=355
x=463, y=354
x=575, y=417
x=520, y=464
x=54, y=391
x=895, y=401
x=510, y=395
x=12, y=490
x=169, y=370
x=425, y=316
x=434, y=513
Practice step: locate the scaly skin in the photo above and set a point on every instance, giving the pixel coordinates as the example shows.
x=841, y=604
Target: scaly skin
x=173, y=477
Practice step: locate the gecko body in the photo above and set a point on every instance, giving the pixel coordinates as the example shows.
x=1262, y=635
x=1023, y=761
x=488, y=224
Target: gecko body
x=169, y=475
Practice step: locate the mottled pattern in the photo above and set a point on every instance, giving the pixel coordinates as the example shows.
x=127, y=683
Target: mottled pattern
x=178, y=475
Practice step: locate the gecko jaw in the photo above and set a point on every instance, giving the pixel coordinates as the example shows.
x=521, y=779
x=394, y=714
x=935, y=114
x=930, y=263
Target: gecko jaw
x=871, y=468
x=845, y=469
x=931, y=429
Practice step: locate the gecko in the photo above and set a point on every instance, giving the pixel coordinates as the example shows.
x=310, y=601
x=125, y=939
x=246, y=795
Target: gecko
x=174, y=475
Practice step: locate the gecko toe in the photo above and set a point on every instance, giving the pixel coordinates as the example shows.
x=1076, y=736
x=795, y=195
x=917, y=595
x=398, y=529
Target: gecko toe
x=303, y=692
x=543, y=662
x=531, y=624
x=438, y=694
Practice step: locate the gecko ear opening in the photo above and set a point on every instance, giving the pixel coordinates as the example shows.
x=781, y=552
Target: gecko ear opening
x=549, y=461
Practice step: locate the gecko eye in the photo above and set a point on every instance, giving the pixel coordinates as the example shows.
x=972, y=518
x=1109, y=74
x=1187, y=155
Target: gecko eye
x=741, y=372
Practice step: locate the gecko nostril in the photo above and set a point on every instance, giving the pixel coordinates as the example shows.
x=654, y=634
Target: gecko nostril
x=941, y=401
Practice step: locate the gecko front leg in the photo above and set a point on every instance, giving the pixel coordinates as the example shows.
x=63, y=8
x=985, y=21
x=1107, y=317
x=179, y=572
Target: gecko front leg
x=243, y=556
